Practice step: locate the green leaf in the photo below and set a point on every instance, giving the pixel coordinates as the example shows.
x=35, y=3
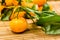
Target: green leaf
x=6, y=15
x=48, y=20
x=35, y=7
x=53, y=28
x=17, y=10
x=45, y=16
x=37, y=13
x=50, y=24
x=46, y=7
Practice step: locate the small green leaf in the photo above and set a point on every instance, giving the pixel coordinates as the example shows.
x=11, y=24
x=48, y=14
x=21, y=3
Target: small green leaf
x=35, y=7
x=6, y=15
x=46, y=7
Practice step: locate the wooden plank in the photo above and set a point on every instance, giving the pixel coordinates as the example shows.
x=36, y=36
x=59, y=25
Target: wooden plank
x=7, y=34
x=55, y=5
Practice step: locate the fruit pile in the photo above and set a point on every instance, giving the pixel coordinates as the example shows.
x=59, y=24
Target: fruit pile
x=12, y=6
x=10, y=10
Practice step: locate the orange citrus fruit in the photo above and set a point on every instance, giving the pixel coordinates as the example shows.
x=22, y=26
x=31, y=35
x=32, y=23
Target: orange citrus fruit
x=39, y=2
x=17, y=14
x=1, y=7
x=15, y=2
x=18, y=25
x=8, y=2
x=23, y=3
x=21, y=14
x=11, y=2
x=27, y=4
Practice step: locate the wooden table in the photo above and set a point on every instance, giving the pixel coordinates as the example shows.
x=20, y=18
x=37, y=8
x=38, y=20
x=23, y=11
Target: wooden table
x=38, y=34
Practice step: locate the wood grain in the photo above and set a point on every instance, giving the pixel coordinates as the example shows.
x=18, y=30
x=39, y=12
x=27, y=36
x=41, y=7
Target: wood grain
x=36, y=34
x=56, y=6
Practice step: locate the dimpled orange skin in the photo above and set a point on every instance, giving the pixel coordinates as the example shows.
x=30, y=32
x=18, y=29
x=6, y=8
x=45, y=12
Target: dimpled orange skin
x=18, y=25
x=39, y=2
